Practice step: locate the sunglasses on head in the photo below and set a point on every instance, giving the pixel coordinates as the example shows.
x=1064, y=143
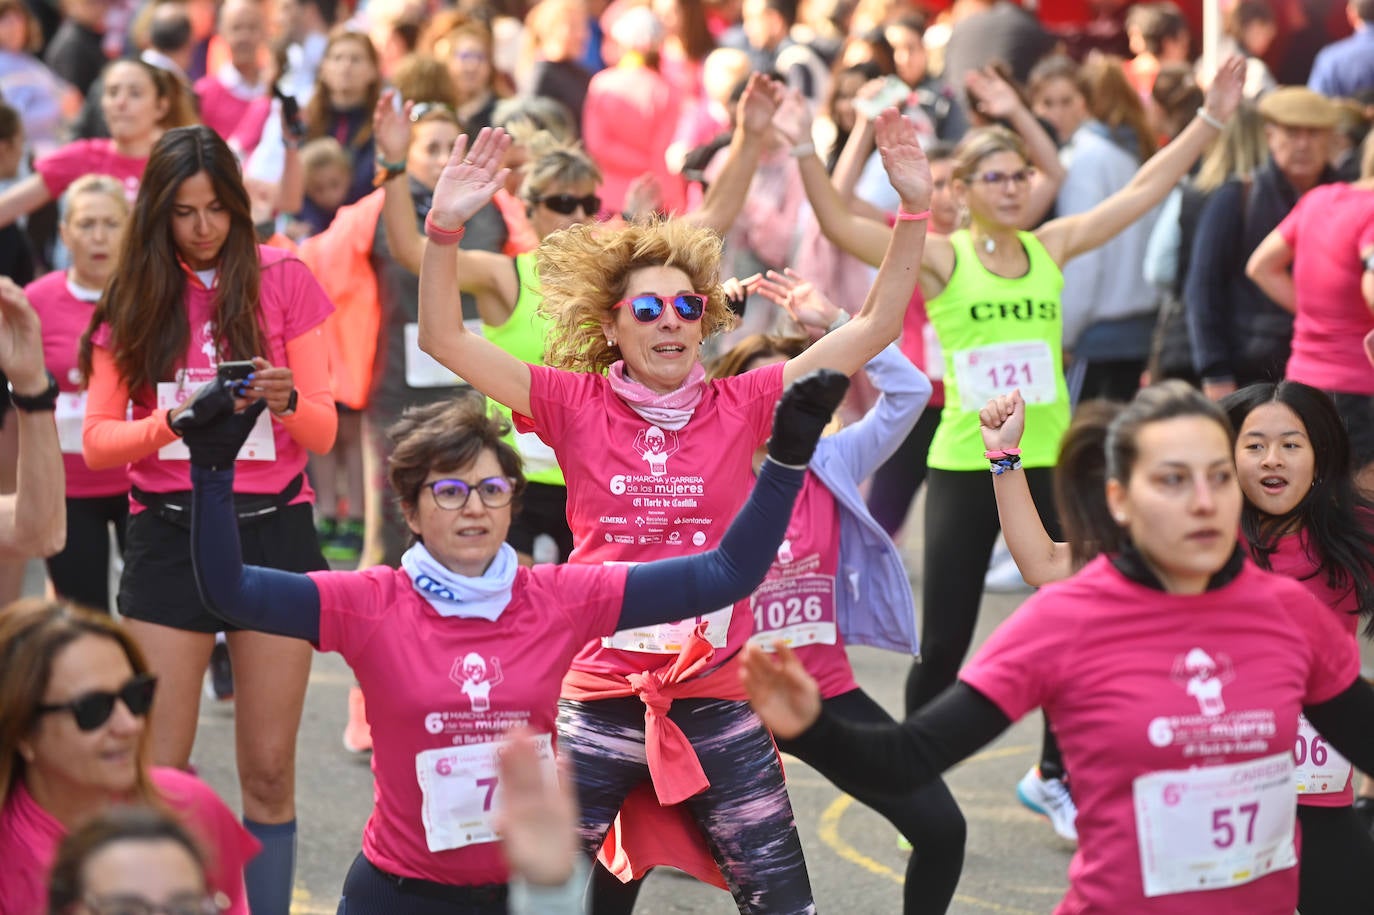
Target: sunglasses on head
x=649, y=308
x=91, y=710
x=567, y=204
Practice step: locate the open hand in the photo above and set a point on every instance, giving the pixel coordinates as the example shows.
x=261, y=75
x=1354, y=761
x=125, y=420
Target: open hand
x=1226, y=91
x=991, y=94
x=758, y=104
x=799, y=297
x=1003, y=421
x=391, y=128
x=470, y=179
x=537, y=815
x=793, y=118
x=906, y=164
x=780, y=690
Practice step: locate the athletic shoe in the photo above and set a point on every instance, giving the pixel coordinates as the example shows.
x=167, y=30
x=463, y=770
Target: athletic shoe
x=357, y=735
x=346, y=542
x=219, y=677
x=903, y=843
x=1050, y=798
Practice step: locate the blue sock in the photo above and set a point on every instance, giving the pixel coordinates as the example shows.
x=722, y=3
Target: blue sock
x=270, y=876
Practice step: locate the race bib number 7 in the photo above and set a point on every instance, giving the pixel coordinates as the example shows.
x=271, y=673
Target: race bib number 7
x=461, y=788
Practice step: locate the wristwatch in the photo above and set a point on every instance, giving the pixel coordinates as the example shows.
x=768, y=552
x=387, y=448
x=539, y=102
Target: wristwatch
x=43, y=402
x=290, y=404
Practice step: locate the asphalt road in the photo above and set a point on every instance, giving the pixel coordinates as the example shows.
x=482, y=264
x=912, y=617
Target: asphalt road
x=1014, y=863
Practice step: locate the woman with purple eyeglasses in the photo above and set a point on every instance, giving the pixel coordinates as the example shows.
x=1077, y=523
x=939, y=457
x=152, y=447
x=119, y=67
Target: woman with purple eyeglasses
x=657, y=460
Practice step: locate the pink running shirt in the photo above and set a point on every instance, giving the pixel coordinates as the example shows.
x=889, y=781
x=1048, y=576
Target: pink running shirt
x=29, y=837
x=90, y=157
x=797, y=598
x=65, y=318
x=291, y=303
x=436, y=683
x=1327, y=230
x=637, y=492
x=1139, y=682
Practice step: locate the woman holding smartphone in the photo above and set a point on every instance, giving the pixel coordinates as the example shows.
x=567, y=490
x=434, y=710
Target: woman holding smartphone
x=192, y=291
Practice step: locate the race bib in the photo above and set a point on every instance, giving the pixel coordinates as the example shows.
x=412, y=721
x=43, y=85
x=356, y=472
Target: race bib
x=259, y=446
x=70, y=415
x=799, y=610
x=1215, y=827
x=1317, y=767
x=422, y=369
x=935, y=357
x=987, y=371
x=669, y=638
x=461, y=790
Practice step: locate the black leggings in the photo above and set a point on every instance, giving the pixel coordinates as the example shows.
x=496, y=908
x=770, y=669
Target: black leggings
x=744, y=814
x=961, y=529
x=1337, y=854
x=895, y=483
x=369, y=891
x=81, y=572
x=928, y=817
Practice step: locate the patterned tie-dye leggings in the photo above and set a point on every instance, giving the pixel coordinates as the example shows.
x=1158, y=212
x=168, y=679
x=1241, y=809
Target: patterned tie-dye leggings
x=745, y=814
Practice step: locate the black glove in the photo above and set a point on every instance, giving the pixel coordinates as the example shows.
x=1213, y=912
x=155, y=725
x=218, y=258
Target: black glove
x=216, y=444
x=802, y=415
x=211, y=401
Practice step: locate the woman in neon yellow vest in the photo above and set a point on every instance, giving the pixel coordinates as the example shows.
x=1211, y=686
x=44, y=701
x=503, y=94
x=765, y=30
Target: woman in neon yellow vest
x=992, y=296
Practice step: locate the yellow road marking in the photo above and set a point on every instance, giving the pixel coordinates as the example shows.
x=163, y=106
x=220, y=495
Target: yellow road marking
x=829, y=831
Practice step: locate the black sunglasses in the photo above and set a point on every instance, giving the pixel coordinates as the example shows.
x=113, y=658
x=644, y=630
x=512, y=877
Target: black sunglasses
x=649, y=308
x=92, y=710
x=567, y=204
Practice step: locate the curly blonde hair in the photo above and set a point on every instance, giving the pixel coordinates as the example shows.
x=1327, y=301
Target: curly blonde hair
x=584, y=271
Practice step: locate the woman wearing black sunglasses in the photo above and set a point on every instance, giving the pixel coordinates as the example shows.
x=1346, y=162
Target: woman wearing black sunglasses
x=74, y=697
x=657, y=460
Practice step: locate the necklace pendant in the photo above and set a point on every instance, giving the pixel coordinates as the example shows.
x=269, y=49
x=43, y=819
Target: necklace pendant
x=989, y=245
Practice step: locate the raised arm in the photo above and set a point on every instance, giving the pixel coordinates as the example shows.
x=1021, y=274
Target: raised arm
x=23, y=198
x=1039, y=557
x=252, y=597
x=995, y=98
x=1072, y=235
x=1269, y=268
x=726, y=195
x=671, y=589
x=893, y=758
x=33, y=521
x=1367, y=281
x=879, y=322
x=467, y=184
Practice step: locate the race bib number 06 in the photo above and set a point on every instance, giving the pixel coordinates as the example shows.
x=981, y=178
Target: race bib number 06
x=462, y=789
x=1317, y=767
x=1215, y=827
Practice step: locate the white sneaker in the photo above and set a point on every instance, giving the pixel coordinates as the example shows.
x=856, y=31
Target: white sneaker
x=1004, y=577
x=1050, y=798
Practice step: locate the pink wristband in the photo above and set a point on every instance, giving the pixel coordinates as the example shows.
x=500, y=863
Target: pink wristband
x=904, y=216
x=1001, y=455
x=442, y=236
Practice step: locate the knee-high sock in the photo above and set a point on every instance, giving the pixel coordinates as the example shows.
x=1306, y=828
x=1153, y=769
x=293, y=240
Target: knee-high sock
x=270, y=876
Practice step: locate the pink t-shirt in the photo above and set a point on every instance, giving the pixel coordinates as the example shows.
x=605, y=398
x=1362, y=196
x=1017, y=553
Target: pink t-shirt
x=291, y=303
x=1327, y=230
x=1292, y=560
x=65, y=318
x=1136, y=682
x=796, y=601
x=435, y=683
x=637, y=492
x=90, y=157
x=221, y=109
x=29, y=837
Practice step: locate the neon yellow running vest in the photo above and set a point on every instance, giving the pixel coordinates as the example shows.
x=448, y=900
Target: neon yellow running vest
x=997, y=334
x=523, y=337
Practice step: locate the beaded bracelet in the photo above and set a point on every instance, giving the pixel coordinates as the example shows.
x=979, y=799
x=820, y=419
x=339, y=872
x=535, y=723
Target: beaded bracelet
x=904, y=216
x=1000, y=467
x=442, y=236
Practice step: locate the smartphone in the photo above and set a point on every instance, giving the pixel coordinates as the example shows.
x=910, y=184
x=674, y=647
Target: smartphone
x=291, y=112
x=236, y=372
x=893, y=94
